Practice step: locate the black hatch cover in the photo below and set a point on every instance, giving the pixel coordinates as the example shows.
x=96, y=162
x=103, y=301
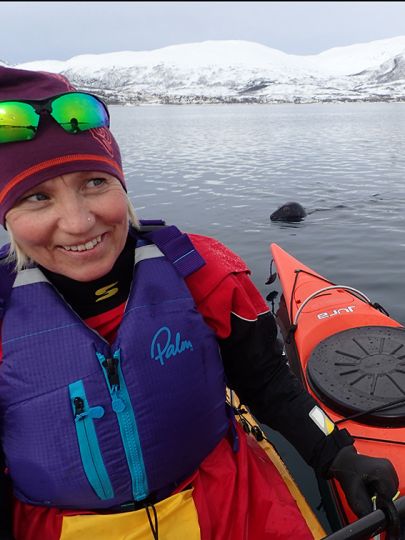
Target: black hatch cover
x=360, y=371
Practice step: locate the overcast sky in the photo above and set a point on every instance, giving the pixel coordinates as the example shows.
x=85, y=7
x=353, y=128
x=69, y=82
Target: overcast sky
x=60, y=30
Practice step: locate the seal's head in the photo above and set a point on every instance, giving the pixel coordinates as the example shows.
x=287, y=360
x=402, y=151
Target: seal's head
x=290, y=211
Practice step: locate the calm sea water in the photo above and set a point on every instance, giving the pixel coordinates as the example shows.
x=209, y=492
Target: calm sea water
x=221, y=170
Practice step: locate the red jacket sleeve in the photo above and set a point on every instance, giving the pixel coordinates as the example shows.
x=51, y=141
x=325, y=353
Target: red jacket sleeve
x=223, y=287
x=254, y=364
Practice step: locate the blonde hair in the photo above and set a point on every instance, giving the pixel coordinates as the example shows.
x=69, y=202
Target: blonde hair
x=20, y=260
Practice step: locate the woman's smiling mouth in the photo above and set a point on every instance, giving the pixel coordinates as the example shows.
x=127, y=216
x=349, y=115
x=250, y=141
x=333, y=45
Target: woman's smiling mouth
x=84, y=247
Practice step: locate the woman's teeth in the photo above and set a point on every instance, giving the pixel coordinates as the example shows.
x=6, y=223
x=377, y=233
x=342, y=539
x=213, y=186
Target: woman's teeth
x=84, y=247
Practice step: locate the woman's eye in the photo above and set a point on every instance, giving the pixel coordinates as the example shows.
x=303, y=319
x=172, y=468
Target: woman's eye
x=35, y=197
x=96, y=182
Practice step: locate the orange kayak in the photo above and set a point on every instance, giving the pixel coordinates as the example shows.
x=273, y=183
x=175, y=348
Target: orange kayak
x=350, y=356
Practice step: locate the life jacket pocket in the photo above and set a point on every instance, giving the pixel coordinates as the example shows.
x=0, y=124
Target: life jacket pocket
x=92, y=459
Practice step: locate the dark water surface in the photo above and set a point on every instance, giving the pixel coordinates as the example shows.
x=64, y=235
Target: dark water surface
x=221, y=170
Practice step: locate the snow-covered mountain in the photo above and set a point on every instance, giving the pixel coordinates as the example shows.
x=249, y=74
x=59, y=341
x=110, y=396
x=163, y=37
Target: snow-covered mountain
x=239, y=72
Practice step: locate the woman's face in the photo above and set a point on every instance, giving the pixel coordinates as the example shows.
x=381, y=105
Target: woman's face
x=75, y=224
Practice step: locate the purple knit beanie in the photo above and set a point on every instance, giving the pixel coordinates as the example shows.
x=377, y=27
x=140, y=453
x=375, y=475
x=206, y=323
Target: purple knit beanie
x=53, y=151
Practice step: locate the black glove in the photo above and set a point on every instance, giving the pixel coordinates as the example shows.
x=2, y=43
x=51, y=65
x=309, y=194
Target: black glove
x=362, y=477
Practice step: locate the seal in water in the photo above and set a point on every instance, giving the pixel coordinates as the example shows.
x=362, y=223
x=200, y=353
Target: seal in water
x=290, y=211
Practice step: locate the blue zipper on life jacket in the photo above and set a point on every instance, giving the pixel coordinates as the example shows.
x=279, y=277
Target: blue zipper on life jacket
x=122, y=406
x=90, y=452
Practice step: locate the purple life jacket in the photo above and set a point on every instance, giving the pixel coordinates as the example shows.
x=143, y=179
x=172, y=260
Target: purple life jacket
x=87, y=425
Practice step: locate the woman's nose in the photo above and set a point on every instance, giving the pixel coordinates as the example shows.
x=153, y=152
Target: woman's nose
x=75, y=216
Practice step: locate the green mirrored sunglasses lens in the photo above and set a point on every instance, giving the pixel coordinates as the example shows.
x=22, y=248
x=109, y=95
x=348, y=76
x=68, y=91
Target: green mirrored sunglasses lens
x=18, y=122
x=77, y=112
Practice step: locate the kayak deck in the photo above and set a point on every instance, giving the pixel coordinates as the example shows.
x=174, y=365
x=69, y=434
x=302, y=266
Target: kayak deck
x=350, y=355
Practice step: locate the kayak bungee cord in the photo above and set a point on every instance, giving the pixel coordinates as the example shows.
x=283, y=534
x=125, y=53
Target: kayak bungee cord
x=378, y=408
x=389, y=441
x=293, y=326
x=331, y=286
x=355, y=292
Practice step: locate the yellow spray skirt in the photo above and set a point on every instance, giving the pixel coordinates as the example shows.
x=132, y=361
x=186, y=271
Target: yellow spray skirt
x=177, y=519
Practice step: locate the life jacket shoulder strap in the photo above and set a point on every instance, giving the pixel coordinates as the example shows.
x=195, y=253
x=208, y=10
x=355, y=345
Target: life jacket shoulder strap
x=175, y=245
x=149, y=225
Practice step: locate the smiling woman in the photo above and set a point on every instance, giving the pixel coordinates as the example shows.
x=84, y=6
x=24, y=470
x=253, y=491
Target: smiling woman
x=115, y=347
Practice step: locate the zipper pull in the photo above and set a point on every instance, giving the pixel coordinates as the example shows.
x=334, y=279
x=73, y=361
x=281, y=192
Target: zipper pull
x=111, y=366
x=92, y=412
x=118, y=404
x=78, y=405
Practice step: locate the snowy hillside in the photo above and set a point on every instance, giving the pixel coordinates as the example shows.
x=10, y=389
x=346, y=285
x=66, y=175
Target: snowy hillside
x=239, y=71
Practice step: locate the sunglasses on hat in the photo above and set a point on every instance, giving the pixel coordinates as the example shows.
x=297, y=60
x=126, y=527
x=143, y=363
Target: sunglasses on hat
x=73, y=111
